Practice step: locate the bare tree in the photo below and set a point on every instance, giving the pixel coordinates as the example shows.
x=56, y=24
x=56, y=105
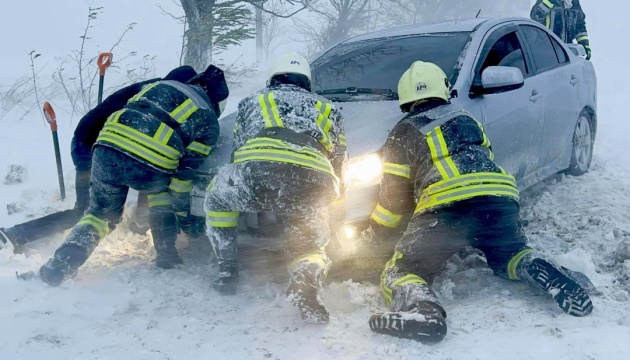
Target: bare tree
x=338, y=19
x=272, y=28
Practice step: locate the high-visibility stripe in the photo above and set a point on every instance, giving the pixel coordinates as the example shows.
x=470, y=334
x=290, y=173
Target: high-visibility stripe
x=137, y=150
x=99, y=225
x=324, y=123
x=581, y=37
x=198, y=147
x=184, y=111
x=144, y=90
x=409, y=279
x=281, y=156
x=115, y=116
x=142, y=139
x=548, y=21
x=397, y=169
x=515, y=261
x=548, y=3
x=342, y=140
x=385, y=217
x=469, y=179
x=180, y=186
x=464, y=193
x=160, y=199
x=256, y=143
x=223, y=219
x=440, y=155
x=387, y=291
x=163, y=134
x=269, y=110
x=314, y=258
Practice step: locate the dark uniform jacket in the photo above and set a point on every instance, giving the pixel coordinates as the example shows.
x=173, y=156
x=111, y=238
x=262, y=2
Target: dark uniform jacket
x=291, y=125
x=435, y=156
x=569, y=23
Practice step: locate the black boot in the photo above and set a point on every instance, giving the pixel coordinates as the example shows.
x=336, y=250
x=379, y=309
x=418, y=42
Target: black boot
x=227, y=280
x=64, y=264
x=164, y=232
x=424, y=322
x=570, y=296
x=303, y=292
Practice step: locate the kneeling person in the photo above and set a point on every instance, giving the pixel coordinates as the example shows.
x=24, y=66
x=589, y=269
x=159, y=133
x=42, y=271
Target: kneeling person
x=154, y=144
x=439, y=155
x=289, y=155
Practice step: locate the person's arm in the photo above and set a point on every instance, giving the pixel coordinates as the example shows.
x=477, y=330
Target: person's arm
x=582, y=33
x=396, y=196
x=541, y=10
x=182, y=182
x=92, y=123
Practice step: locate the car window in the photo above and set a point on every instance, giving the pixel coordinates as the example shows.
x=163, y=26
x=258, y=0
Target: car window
x=506, y=51
x=541, y=46
x=379, y=63
x=560, y=53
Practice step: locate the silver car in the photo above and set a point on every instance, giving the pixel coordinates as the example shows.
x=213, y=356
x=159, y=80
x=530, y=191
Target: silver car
x=535, y=96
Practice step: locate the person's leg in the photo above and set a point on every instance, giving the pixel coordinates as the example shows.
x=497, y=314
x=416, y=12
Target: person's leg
x=499, y=235
x=163, y=229
x=306, y=234
x=107, y=200
x=231, y=191
x=421, y=254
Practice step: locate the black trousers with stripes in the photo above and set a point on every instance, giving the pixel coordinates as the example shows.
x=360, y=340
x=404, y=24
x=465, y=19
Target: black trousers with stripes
x=489, y=223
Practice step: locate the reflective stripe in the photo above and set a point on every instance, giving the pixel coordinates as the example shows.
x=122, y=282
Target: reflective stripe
x=141, y=139
x=314, y=258
x=324, y=123
x=514, y=262
x=440, y=155
x=397, y=169
x=409, y=279
x=115, y=116
x=198, y=147
x=256, y=143
x=342, y=140
x=469, y=179
x=548, y=21
x=223, y=219
x=385, y=217
x=282, y=156
x=581, y=37
x=269, y=110
x=387, y=291
x=548, y=3
x=184, y=111
x=464, y=193
x=160, y=199
x=144, y=90
x=99, y=225
x=180, y=186
x=142, y=152
x=163, y=134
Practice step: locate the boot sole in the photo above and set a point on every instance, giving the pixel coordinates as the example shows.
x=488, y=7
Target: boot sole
x=570, y=296
x=425, y=329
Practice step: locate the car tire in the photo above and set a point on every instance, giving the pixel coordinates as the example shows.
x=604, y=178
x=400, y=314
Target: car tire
x=583, y=144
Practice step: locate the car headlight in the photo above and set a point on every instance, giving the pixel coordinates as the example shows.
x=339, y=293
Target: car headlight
x=363, y=170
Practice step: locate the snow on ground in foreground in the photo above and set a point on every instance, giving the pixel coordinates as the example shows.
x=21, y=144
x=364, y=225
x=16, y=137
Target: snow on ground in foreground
x=121, y=306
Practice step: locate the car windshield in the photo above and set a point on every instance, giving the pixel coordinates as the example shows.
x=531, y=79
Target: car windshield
x=379, y=63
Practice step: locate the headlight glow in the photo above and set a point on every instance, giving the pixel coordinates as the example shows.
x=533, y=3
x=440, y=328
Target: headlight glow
x=364, y=170
x=350, y=231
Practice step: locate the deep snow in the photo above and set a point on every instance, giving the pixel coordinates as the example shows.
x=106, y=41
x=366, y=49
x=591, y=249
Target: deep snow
x=121, y=306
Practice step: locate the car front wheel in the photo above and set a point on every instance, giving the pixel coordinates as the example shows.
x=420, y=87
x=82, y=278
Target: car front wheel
x=583, y=141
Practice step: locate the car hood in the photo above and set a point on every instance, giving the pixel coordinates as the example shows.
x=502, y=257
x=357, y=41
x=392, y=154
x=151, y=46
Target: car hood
x=367, y=124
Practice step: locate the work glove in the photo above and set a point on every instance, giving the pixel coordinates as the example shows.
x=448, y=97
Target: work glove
x=193, y=226
x=587, y=47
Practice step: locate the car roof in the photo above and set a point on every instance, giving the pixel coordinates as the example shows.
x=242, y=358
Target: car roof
x=462, y=25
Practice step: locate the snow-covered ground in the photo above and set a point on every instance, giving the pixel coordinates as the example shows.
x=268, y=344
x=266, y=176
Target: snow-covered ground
x=121, y=307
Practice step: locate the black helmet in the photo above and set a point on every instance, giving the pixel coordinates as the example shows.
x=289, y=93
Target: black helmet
x=181, y=74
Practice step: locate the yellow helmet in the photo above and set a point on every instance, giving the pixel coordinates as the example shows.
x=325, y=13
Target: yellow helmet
x=423, y=80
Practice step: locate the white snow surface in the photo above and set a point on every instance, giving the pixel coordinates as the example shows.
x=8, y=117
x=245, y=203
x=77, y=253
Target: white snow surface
x=120, y=306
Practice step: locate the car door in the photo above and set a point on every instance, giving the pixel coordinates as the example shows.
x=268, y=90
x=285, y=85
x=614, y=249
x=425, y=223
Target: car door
x=559, y=80
x=512, y=119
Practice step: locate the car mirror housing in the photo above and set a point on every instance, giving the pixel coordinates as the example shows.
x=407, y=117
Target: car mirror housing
x=498, y=79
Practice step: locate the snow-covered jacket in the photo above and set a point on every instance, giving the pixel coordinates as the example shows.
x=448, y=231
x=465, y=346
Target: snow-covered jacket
x=289, y=124
x=435, y=156
x=565, y=18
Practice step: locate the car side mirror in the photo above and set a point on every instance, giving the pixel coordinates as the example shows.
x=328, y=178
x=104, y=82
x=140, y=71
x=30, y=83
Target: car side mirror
x=498, y=79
